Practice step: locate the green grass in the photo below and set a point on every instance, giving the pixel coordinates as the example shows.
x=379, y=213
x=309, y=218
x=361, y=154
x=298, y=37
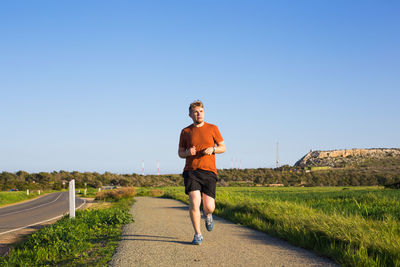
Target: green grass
x=90, y=192
x=357, y=226
x=18, y=196
x=88, y=240
x=150, y=191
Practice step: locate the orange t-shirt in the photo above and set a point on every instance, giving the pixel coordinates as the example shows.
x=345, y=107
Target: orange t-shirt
x=201, y=138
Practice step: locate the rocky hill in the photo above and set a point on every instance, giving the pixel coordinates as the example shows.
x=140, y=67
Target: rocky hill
x=346, y=157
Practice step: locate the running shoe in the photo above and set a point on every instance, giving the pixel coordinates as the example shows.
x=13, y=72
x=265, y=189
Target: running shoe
x=197, y=239
x=209, y=222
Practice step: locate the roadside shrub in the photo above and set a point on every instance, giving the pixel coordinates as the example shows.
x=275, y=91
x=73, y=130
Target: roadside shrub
x=116, y=194
x=156, y=193
x=393, y=185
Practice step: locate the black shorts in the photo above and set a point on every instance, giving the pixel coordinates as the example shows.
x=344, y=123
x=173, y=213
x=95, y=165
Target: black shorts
x=205, y=181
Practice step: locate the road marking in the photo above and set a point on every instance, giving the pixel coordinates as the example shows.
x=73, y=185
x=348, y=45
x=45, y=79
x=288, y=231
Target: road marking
x=19, y=211
x=33, y=224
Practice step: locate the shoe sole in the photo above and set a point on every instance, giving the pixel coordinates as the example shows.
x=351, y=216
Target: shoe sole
x=198, y=242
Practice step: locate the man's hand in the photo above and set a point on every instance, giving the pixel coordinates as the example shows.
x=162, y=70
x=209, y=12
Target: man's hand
x=208, y=151
x=184, y=153
x=191, y=151
x=220, y=148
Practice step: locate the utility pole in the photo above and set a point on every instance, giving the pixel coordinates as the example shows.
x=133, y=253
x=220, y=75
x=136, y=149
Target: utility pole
x=143, y=167
x=278, y=163
x=158, y=167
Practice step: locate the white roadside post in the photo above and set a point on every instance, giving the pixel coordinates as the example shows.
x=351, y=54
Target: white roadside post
x=27, y=192
x=72, y=199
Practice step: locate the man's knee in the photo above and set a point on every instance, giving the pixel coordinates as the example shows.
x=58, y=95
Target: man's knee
x=194, y=200
x=210, y=207
x=208, y=203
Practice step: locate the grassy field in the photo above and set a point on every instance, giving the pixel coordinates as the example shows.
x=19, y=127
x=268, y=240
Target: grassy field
x=356, y=226
x=14, y=197
x=90, y=192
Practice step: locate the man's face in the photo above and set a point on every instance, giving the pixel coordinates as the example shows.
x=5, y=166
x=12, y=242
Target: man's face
x=197, y=115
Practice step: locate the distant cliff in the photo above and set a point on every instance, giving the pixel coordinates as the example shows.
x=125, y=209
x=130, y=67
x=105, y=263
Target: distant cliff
x=345, y=157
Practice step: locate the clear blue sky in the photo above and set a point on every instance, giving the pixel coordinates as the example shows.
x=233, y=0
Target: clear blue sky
x=102, y=85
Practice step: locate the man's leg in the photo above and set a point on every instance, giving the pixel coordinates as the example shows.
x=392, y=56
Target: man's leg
x=209, y=207
x=208, y=204
x=194, y=209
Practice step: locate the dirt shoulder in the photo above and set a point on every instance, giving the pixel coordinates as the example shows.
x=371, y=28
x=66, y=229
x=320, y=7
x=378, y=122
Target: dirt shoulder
x=162, y=233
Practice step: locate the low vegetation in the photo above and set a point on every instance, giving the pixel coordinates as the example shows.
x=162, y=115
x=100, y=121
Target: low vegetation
x=116, y=194
x=90, y=192
x=150, y=192
x=87, y=240
x=357, y=226
x=368, y=172
x=17, y=196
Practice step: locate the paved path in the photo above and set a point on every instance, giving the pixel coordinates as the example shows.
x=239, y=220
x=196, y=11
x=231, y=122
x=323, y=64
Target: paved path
x=162, y=233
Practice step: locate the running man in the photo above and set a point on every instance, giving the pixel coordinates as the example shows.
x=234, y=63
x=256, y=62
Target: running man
x=198, y=144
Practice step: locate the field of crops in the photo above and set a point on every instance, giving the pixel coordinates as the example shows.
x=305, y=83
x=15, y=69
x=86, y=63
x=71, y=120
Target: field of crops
x=356, y=226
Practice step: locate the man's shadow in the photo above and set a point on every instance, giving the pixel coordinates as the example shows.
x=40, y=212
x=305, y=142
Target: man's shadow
x=154, y=238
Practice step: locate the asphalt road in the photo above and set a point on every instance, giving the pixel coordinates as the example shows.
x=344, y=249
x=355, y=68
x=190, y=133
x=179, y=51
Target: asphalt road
x=162, y=233
x=37, y=211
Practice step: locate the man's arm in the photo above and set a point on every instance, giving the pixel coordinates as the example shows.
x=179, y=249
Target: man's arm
x=220, y=148
x=184, y=153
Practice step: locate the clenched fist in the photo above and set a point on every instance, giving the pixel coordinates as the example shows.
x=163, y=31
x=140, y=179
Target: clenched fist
x=208, y=151
x=191, y=151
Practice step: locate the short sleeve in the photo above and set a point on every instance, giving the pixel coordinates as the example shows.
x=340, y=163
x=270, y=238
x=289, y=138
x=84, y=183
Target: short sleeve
x=217, y=135
x=182, y=140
